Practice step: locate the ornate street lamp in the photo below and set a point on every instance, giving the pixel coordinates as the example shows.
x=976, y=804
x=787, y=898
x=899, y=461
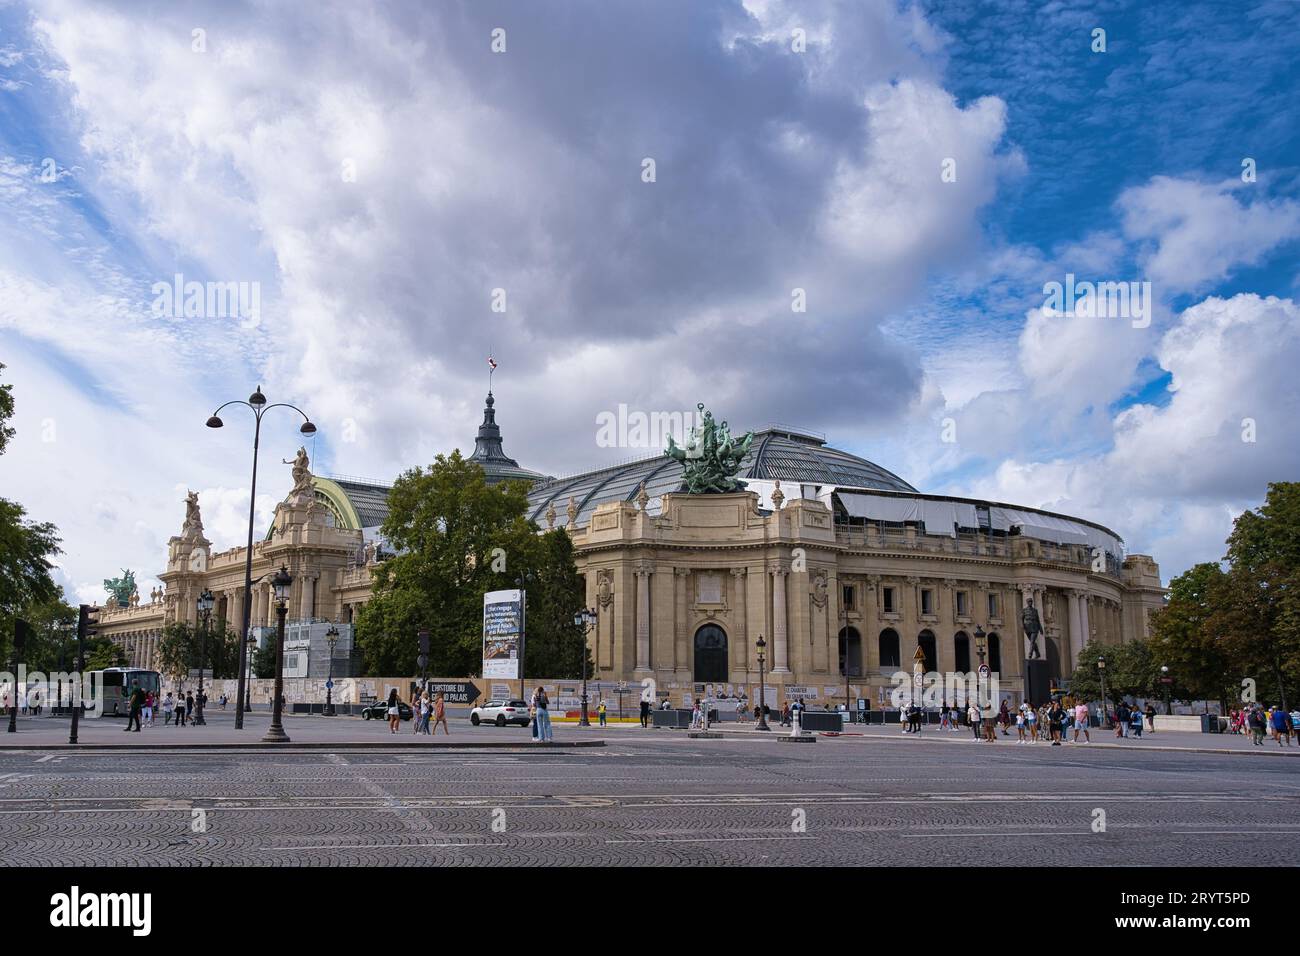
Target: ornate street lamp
x=281, y=583
x=762, y=688
x=205, y=603
x=331, y=639
x=584, y=620
x=1164, y=679
x=1105, y=705
x=257, y=403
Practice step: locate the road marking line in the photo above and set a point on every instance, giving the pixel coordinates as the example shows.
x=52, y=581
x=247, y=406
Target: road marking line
x=715, y=839
x=378, y=846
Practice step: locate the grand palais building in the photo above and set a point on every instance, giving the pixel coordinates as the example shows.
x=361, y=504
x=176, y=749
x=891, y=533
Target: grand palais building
x=832, y=559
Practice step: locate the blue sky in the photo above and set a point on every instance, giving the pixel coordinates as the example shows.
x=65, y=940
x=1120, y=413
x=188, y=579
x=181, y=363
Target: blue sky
x=380, y=174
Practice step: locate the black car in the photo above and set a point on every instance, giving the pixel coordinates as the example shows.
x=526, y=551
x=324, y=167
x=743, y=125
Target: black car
x=378, y=710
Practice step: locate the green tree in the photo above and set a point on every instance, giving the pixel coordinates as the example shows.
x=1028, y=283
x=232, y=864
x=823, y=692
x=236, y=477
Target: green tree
x=553, y=645
x=1257, y=609
x=1184, y=639
x=102, y=653
x=1131, y=671
x=183, y=648
x=52, y=645
x=25, y=548
x=456, y=537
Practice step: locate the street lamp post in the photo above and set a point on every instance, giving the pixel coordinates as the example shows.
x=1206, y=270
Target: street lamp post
x=844, y=615
x=762, y=686
x=584, y=620
x=257, y=403
x=331, y=639
x=981, y=642
x=20, y=640
x=205, y=611
x=281, y=583
x=1105, y=706
x=1164, y=675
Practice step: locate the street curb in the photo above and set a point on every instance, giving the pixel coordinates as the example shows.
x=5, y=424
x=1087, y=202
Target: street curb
x=740, y=734
x=312, y=745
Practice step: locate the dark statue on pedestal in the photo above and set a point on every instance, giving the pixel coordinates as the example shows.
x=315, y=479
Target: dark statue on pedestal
x=1032, y=627
x=711, y=457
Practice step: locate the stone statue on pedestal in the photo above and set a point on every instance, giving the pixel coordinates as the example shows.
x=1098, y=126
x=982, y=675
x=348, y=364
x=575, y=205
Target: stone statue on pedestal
x=711, y=457
x=1032, y=627
x=302, y=486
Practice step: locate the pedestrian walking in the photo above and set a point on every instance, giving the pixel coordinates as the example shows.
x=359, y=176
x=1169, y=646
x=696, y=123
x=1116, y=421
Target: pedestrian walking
x=394, y=711
x=1151, y=717
x=168, y=708
x=1081, y=722
x=645, y=712
x=426, y=711
x=136, y=706
x=1281, y=722
x=975, y=718
x=440, y=715
x=1258, y=724
x=146, y=713
x=1135, y=722
x=189, y=708
x=601, y=711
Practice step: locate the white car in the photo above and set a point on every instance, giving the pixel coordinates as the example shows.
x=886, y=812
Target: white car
x=500, y=712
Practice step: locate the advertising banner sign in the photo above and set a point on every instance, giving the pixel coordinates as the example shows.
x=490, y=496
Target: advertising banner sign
x=503, y=634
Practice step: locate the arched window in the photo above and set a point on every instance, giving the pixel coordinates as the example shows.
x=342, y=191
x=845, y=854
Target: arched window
x=888, y=644
x=995, y=654
x=710, y=654
x=961, y=652
x=926, y=640
x=851, y=646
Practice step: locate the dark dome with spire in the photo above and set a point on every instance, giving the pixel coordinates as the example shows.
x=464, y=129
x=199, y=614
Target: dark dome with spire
x=491, y=456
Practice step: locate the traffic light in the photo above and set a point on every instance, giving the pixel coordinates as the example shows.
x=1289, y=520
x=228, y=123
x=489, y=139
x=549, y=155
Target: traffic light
x=424, y=641
x=87, y=622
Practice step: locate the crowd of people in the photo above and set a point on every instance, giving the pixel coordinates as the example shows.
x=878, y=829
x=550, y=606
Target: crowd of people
x=1259, y=722
x=143, y=705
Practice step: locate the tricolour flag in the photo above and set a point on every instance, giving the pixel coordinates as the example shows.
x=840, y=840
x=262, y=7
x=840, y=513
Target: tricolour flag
x=492, y=362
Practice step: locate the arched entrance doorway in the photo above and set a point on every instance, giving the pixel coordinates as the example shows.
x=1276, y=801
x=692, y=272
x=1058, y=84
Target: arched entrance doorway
x=851, y=651
x=710, y=654
x=961, y=652
x=888, y=647
x=926, y=640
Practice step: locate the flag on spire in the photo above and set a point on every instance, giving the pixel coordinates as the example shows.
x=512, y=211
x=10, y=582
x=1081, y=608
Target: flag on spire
x=492, y=363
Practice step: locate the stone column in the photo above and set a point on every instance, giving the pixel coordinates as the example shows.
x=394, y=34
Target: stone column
x=740, y=639
x=308, y=608
x=682, y=663
x=1076, y=627
x=1087, y=620
x=643, y=619
x=780, y=634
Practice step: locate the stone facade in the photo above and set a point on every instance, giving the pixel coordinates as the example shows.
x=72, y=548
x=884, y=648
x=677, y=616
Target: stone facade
x=684, y=585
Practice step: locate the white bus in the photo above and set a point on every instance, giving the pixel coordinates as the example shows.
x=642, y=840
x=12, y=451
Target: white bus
x=115, y=685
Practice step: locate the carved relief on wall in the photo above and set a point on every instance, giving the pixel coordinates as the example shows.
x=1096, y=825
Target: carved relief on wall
x=819, y=589
x=605, y=588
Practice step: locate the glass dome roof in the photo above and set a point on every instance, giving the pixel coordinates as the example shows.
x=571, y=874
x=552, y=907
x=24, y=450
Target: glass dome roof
x=776, y=454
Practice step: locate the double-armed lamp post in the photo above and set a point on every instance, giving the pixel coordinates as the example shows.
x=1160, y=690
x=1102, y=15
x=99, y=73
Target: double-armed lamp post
x=257, y=403
x=585, y=620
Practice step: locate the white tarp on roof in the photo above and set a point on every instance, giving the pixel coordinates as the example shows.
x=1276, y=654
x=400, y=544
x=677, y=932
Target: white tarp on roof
x=1034, y=524
x=940, y=517
x=943, y=517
